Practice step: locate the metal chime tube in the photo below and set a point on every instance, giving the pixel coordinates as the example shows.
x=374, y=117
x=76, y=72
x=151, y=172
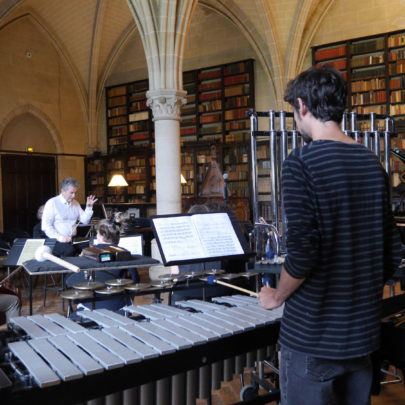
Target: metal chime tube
x=284, y=154
x=366, y=141
x=374, y=131
x=344, y=124
x=255, y=203
x=387, y=146
x=273, y=167
x=353, y=126
x=294, y=136
x=284, y=137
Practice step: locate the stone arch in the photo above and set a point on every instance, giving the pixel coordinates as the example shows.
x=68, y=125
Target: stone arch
x=40, y=115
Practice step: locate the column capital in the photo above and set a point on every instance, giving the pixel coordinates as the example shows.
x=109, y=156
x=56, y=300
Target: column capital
x=166, y=103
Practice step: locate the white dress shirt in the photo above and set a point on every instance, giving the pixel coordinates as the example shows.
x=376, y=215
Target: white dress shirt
x=60, y=217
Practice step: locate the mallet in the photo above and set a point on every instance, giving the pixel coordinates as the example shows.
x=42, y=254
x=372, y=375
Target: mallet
x=44, y=253
x=211, y=280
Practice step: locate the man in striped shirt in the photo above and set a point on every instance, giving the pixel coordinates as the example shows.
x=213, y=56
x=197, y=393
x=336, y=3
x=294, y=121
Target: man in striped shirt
x=342, y=245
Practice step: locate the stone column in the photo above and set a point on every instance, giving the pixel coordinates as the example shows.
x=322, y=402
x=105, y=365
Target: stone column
x=165, y=105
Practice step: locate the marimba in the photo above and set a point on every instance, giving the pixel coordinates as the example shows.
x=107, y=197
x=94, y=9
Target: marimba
x=166, y=355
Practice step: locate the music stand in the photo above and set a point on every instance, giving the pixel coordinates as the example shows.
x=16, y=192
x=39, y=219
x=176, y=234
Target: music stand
x=23, y=249
x=197, y=238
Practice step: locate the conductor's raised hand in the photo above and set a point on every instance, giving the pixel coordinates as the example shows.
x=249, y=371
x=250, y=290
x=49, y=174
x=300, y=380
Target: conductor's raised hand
x=91, y=199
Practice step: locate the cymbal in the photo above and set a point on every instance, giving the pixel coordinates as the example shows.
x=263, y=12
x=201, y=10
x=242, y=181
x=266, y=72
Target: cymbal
x=163, y=284
x=172, y=277
x=73, y=294
x=230, y=276
x=88, y=285
x=214, y=272
x=109, y=290
x=192, y=274
x=119, y=282
x=248, y=274
x=137, y=286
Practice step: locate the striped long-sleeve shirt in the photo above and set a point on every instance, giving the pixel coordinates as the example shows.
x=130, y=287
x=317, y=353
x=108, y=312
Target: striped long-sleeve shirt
x=341, y=238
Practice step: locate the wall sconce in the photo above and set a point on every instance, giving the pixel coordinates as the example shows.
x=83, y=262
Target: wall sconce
x=117, y=181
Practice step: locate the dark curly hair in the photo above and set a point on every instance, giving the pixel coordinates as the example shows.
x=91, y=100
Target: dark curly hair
x=323, y=91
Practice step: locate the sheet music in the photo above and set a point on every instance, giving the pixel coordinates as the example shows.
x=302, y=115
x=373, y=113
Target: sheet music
x=217, y=236
x=28, y=251
x=197, y=236
x=179, y=238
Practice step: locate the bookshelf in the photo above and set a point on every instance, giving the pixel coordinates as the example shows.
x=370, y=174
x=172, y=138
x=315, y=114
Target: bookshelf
x=95, y=168
x=215, y=114
x=374, y=68
x=129, y=123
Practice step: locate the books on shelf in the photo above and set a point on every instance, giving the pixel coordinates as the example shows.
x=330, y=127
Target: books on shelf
x=366, y=85
x=397, y=83
x=235, y=114
x=339, y=64
x=118, y=120
x=212, y=85
x=369, y=60
x=396, y=40
x=397, y=96
x=213, y=95
x=114, y=112
x=238, y=90
x=116, y=101
x=209, y=74
x=139, y=116
x=117, y=91
x=397, y=109
x=368, y=45
x=368, y=72
x=236, y=79
x=208, y=118
x=139, y=136
x=330, y=53
x=233, y=68
x=371, y=97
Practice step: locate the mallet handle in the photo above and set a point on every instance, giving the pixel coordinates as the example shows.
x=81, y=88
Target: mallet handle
x=237, y=288
x=61, y=262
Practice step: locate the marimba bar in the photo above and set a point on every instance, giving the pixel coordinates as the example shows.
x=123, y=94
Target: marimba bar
x=172, y=356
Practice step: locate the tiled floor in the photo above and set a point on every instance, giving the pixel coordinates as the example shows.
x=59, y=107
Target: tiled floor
x=393, y=394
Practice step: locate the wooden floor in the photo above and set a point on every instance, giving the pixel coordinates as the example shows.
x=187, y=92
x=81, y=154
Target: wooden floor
x=391, y=394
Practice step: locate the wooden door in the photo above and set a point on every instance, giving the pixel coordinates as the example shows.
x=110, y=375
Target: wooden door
x=27, y=183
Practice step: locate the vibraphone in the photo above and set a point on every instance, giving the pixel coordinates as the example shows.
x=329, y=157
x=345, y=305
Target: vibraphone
x=161, y=355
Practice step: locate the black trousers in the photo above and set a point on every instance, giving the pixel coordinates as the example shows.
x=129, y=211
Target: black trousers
x=62, y=249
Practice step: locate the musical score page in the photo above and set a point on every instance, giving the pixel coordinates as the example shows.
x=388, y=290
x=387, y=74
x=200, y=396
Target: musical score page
x=199, y=236
x=178, y=238
x=28, y=251
x=217, y=235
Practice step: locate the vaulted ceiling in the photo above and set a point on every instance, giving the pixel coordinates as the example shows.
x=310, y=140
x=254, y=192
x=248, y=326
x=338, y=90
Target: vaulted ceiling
x=89, y=34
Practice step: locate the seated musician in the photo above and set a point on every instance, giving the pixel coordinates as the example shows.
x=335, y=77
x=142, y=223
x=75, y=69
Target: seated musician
x=61, y=215
x=108, y=234
x=37, y=232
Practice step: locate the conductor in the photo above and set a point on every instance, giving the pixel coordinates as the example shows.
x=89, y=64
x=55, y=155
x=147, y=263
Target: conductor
x=62, y=214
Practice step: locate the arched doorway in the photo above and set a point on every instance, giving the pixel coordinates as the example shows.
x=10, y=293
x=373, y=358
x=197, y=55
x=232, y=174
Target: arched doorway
x=28, y=180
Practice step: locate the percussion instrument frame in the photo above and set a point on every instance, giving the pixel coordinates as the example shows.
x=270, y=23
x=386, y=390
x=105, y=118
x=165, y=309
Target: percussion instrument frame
x=111, y=381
